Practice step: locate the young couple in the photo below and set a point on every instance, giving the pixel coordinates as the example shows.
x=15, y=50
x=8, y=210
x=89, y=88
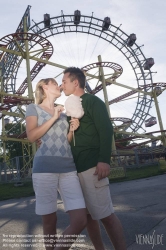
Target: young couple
x=57, y=159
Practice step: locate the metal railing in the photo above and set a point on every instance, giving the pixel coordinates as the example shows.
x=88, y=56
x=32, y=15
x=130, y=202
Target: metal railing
x=16, y=169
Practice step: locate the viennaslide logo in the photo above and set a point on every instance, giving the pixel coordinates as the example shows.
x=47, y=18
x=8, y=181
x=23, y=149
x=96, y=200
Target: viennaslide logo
x=150, y=239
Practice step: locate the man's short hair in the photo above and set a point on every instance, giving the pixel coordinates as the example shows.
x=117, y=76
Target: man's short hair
x=76, y=73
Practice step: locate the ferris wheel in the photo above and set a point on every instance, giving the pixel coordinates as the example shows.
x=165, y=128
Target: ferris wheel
x=77, y=40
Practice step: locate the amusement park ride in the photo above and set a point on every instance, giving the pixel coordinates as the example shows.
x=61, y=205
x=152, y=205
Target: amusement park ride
x=21, y=45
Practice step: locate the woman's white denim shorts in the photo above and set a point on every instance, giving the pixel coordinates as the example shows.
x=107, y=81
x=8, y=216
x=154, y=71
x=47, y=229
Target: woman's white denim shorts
x=47, y=186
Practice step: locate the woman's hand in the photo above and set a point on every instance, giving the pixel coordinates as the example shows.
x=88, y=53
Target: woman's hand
x=74, y=124
x=57, y=111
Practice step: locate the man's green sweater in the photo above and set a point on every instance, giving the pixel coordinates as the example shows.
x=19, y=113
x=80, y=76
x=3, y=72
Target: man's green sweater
x=93, y=138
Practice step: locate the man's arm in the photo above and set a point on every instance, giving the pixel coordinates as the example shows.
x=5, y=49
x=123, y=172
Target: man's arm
x=105, y=131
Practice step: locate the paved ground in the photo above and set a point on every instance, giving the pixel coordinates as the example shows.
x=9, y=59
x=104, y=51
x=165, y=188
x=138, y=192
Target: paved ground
x=139, y=204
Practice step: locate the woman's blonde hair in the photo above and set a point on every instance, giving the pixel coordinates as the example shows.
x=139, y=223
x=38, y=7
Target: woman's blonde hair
x=39, y=91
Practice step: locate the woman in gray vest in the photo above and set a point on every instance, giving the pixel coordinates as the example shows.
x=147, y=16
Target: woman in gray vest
x=53, y=165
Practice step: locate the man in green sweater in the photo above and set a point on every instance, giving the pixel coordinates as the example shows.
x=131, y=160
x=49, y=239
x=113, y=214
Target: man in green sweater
x=92, y=152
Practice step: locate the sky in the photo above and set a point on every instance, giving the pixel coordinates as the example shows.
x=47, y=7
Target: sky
x=144, y=18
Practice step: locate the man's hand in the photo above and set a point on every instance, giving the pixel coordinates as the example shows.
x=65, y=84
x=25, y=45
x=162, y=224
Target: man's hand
x=74, y=124
x=38, y=142
x=102, y=170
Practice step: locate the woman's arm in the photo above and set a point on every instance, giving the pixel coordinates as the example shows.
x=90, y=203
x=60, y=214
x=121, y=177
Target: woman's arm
x=34, y=131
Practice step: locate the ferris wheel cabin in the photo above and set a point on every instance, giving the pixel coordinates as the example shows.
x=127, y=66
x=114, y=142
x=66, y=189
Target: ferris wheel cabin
x=158, y=90
x=150, y=122
x=106, y=23
x=77, y=17
x=46, y=20
x=131, y=40
x=148, y=63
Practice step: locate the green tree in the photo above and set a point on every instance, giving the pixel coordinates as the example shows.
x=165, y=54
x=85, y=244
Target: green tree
x=120, y=137
x=14, y=148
